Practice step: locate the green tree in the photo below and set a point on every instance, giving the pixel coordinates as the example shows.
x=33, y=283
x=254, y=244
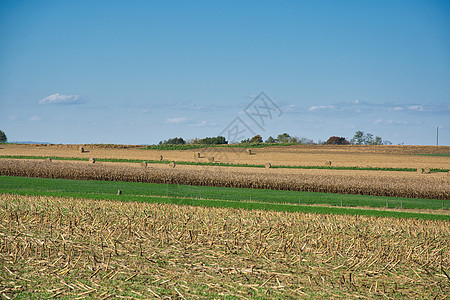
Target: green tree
x=219, y=140
x=174, y=141
x=257, y=139
x=284, y=138
x=3, y=138
x=358, y=138
x=271, y=140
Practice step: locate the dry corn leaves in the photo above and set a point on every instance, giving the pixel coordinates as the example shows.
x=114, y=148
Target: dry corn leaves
x=348, y=182
x=52, y=247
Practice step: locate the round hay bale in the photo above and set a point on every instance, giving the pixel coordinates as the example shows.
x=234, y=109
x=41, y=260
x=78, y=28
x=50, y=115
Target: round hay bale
x=144, y=164
x=172, y=164
x=248, y=151
x=119, y=192
x=419, y=170
x=92, y=160
x=196, y=155
x=426, y=171
x=211, y=159
x=268, y=166
x=161, y=157
x=328, y=163
x=81, y=149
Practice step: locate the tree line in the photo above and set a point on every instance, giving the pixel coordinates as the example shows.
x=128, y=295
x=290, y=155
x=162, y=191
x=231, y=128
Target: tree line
x=360, y=138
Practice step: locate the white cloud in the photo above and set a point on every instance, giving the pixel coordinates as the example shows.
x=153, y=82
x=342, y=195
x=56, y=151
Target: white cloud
x=395, y=122
x=176, y=120
x=60, y=99
x=202, y=123
x=322, y=108
x=35, y=118
x=397, y=108
x=416, y=107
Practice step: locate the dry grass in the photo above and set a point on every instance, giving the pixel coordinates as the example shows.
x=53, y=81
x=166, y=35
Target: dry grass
x=73, y=248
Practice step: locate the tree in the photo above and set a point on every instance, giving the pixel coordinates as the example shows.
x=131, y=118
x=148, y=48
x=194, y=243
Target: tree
x=335, y=140
x=219, y=140
x=257, y=139
x=283, y=138
x=358, y=138
x=3, y=138
x=271, y=140
x=175, y=141
x=367, y=139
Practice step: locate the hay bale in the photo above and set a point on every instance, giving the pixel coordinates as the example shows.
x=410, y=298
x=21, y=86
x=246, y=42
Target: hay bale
x=328, y=163
x=211, y=159
x=426, y=171
x=92, y=160
x=419, y=170
x=196, y=155
x=119, y=192
x=81, y=150
x=144, y=164
x=268, y=166
x=161, y=157
x=248, y=151
x=172, y=164
x=49, y=159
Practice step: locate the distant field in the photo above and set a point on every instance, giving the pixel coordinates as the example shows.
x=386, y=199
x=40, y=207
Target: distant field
x=218, y=164
x=395, y=157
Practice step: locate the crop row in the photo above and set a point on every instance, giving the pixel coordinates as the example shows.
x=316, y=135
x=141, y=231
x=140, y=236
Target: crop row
x=370, y=184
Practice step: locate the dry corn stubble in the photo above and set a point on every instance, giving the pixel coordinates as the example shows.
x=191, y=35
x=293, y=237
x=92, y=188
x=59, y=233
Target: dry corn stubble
x=113, y=247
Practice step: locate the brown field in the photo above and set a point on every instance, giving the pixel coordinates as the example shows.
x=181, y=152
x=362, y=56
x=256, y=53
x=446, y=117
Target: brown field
x=72, y=248
x=304, y=155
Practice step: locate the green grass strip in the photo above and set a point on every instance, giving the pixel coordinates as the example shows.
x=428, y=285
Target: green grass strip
x=434, y=154
x=237, y=205
x=232, y=195
x=220, y=164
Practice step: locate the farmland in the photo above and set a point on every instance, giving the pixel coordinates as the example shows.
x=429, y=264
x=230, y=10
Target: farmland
x=238, y=230
x=61, y=247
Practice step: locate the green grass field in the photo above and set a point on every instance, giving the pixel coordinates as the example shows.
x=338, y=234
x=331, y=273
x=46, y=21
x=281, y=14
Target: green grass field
x=435, y=154
x=219, y=164
x=224, y=197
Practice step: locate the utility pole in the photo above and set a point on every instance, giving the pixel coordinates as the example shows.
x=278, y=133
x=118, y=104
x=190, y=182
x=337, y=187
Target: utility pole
x=437, y=135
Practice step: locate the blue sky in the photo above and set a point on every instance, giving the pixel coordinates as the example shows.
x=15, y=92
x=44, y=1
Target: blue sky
x=137, y=72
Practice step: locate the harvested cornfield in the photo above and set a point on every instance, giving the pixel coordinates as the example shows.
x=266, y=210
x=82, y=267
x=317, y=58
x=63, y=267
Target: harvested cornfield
x=346, y=182
x=72, y=248
x=392, y=156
